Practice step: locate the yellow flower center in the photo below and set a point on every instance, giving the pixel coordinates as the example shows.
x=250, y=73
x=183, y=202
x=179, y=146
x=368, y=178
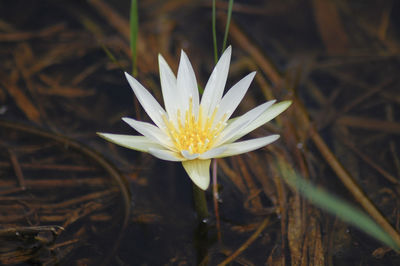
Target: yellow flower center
x=194, y=135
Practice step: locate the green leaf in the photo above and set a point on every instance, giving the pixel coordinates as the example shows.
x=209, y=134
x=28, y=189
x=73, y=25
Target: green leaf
x=336, y=206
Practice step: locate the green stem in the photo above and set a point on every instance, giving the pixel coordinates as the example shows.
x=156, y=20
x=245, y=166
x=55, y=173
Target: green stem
x=228, y=22
x=200, y=203
x=134, y=28
x=214, y=31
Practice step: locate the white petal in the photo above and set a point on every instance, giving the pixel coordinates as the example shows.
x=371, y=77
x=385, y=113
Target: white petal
x=189, y=156
x=187, y=84
x=212, y=153
x=168, y=87
x=139, y=143
x=246, y=146
x=233, y=97
x=199, y=172
x=240, y=123
x=150, y=105
x=267, y=116
x=166, y=155
x=216, y=83
x=150, y=131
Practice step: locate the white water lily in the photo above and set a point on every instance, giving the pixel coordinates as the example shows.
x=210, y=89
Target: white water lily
x=194, y=131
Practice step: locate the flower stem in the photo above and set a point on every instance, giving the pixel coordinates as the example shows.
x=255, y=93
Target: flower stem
x=200, y=203
x=215, y=197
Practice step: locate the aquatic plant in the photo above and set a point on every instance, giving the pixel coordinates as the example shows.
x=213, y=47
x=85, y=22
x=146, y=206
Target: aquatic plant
x=194, y=131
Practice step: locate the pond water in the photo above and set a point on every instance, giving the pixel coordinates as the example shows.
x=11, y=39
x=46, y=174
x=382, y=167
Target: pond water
x=68, y=197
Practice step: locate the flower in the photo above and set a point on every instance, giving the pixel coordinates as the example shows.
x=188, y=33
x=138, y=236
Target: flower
x=194, y=131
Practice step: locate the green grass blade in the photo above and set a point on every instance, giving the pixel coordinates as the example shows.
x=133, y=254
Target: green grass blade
x=134, y=28
x=228, y=22
x=336, y=206
x=111, y=56
x=214, y=31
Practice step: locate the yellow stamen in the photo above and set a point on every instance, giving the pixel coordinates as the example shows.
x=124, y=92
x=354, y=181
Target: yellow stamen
x=195, y=135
